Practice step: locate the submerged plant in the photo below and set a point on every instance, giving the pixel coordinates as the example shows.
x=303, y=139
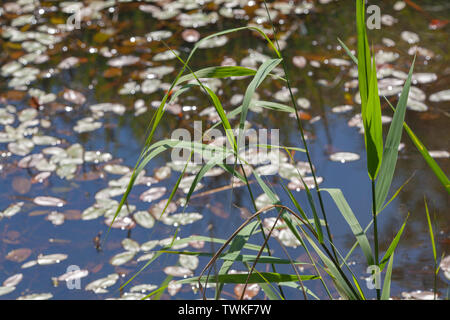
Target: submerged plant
x=306, y=228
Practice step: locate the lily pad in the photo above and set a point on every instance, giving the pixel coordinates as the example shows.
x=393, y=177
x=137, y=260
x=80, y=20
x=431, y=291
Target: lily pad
x=152, y=194
x=189, y=261
x=142, y=288
x=122, y=258
x=182, y=218
x=100, y=285
x=344, y=157
x=130, y=245
x=262, y=201
x=177, y=271
x=144, y=219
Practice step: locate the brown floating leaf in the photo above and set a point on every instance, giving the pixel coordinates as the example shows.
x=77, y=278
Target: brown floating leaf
x=197, y=244
x=190, y=35
x=251, y=291
x=219, y=211
x=18, y=255
x=21, y=185
x=72, y=214
x=112, y=72
x=15, y=95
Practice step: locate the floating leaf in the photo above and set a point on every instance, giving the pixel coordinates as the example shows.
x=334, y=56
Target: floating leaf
x=182, y=218
x=49, y=201
x=13, y=209
x=74, y=96
x=251, y=290
x=144, y=219
x=262, y=201
x=142, y=288
x=116, y=169
x=152, y=194
x=190, y=35
x=418, y=295
x=177, y=271
x=13, y=280
x=440, y=96
x=29, y=264
x=344, y=157
x=188, y=261
x=122, y=258
x=120, y=223
x=73, y=275
x=18, y=255
x=146, y=256
x=410, y=37
x=99, y=286
x=6, y=289
x=445, y=266
x=21, y=147
x=51, y=258
x=56, y=218
x=174, y=287
x=149, y=245
x=442, y=154
x=130, y=245
x=162, y=173
x=36, y=296
x=87, y=125
x=123, y=61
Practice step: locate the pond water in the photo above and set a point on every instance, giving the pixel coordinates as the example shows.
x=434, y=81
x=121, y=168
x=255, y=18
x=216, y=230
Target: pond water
x=76, y=99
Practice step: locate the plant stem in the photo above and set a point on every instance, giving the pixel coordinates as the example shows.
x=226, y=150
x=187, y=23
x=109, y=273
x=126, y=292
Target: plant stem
x=300, y=127
x=375, y=230
x=261, y=226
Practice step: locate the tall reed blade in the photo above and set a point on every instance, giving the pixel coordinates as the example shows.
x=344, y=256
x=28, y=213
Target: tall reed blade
x=393, y=138
x=363, y=52
x=373, y=133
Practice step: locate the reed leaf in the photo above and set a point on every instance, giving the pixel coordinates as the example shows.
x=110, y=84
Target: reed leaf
x=353, y=223
x=386, y=293
x=393, y=138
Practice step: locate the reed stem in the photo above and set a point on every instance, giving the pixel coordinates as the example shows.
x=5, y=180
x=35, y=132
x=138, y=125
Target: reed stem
x=375, y=231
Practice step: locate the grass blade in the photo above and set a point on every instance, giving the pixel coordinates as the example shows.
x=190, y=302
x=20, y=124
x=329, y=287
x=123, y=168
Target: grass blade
x=373, y=133
x=260, y=277
x=386, y=293
x=393, y=138
x=353, y=223
x=364, y=68
x=390, y=251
